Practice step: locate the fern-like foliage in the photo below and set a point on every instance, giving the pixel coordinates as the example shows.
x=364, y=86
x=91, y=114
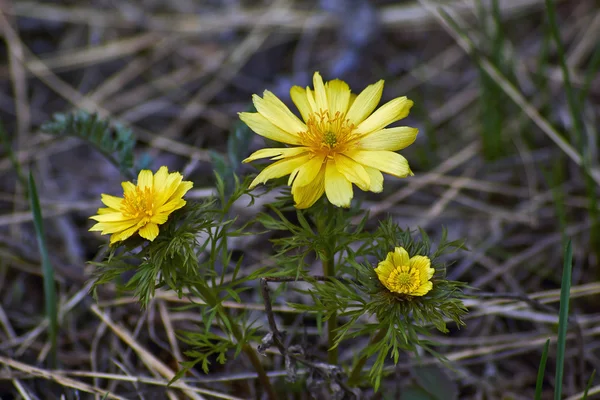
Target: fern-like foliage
x=114, y=140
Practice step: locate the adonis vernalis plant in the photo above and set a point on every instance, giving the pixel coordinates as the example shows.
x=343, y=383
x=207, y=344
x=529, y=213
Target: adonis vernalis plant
x=340, y=142
x=143, y=206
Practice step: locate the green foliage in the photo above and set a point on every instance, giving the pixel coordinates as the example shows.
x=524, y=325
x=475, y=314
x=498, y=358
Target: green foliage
x=401, y=319
x=47, y=272
x=114, y=140
x=539, y=384
x=563, y=319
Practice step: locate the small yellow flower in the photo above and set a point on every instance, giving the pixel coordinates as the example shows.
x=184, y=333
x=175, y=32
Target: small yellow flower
x=404, y=275
x=143, y=207
x=340, y=142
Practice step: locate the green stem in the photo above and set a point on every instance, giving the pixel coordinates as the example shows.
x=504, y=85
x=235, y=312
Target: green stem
x=354, y=379
x=239, y=336
x=332, y=323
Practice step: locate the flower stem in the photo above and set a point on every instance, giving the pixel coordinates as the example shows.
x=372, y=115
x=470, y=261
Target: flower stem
x=332, y=323
x=211, y=300
x=354, y=379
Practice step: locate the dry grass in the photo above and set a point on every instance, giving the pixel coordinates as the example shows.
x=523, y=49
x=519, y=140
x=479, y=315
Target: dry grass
x=178, y=72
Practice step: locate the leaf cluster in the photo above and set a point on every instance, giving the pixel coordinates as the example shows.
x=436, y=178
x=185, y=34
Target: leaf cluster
x=114, y=140
x=323, y=230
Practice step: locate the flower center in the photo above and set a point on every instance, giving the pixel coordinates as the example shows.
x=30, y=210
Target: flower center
x=403, y=280
x=138, y=203
x=326, y=133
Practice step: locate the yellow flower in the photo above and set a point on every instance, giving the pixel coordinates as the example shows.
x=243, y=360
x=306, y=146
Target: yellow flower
x=143, y=207
x=341, y=141
x=404, y=275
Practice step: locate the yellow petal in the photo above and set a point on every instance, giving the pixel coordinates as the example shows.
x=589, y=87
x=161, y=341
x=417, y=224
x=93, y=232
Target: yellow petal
x=277, y=113
x=365, y=103
x=320, y=93
x=128, y=187
x=310, y=96
x=160, y=218
x=337, y=188
x=375, y=179
x=181, y=190
x=112, y=201
x=384, y=269
x=145, y=179
x=262, y=126
x=423, y=265
x=279, y=169
x=171, y=206
x=400, y=257
x=338, y=96
x=385, y=161
x=299, y=98
x=277, y=153
x=353, y=171
x=308, y=171
x=109, y=217
x=160, y=178
x=165, y=187
x=391, y=139
x=112, y=227
x=149, y=231
x=117, y=237
x=391, y=111
x=306, y=196
x=423, y=289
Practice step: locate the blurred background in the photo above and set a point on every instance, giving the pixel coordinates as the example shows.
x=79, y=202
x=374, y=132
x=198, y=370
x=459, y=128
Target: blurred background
x=506, y=158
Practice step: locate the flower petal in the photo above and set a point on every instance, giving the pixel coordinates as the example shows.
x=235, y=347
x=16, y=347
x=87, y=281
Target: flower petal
x=308, y=171
x=145, y=179
x=375, y=179
x=276, y=153
x=337, y=188
x=262, y=126
x=171, y=206
x=353, y=171
x=391, y=111
x=277, y=113
x=423, y=289
x=391, y=139
x=400, y=257
x=300, y=99
x=385, y=161
x=384, y=269
x=120, y=236
x=149, y=231
x=338, y=96
x=279, y=169
x=112, y=227
x=306, y=196
x=320, y=93
x=160, y=179
x=181, y=190
x=109, y=217
x=128, y=187
x=365, y=103
x=165, y=187
x=112, y=201
x=423, y=265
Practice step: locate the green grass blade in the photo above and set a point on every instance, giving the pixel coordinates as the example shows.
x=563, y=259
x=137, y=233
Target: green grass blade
x=47, y=271
x=563, y=322
x=589, y=385
x=540, y=376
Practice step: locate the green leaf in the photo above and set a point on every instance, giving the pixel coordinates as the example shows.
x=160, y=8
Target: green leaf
x=47, y=272
x=436, y=382
x=563, y=320
x=540, y=377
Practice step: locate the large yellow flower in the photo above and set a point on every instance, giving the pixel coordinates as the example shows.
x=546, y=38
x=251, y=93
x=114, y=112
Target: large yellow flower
x=404, y=275
x=143, y=206
x=341, y=141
